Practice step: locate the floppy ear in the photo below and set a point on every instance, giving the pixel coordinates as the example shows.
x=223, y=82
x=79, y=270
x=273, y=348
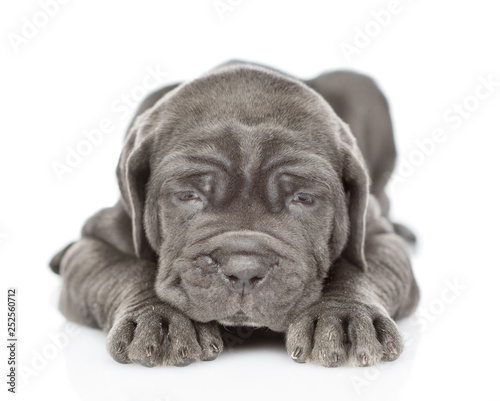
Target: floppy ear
x=356, y=184
x=133, y=173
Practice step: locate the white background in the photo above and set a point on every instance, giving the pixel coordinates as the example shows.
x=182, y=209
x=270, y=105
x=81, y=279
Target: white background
x=429, y=57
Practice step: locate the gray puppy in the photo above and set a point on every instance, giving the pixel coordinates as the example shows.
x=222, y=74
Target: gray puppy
x=246, y=200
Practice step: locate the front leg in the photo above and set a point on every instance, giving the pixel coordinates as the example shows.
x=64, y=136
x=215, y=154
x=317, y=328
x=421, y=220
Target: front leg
x=114, y=291
x=353, y=322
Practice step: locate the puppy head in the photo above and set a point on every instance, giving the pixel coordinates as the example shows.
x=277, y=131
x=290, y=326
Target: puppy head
x=247, y=187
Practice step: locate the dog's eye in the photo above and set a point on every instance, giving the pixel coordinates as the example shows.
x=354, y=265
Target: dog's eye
x=301, y=197
x=188, y=195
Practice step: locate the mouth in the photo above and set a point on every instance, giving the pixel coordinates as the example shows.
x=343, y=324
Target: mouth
x=240, y=318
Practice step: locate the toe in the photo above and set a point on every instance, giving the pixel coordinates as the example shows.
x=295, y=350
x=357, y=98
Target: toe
x=210, y=340
x=119, y=339
x=365, y=348
x=299, y=339
x=147, y=346
x=330, y=349
x=389, y=337
x=184, y=347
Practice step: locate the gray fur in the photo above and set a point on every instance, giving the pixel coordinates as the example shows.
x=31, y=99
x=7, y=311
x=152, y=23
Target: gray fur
x=209, y=228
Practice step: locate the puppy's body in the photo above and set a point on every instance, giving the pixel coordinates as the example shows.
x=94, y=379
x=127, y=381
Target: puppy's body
x=245, y=201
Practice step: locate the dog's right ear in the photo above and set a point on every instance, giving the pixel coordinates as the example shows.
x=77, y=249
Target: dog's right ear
x=133, y=173
x=133, y=169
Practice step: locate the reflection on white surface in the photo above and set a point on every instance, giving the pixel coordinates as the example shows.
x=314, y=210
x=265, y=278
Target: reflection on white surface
x=257, y=369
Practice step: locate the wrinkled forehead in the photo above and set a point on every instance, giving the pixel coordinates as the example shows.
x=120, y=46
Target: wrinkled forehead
x=244, y=114
x=246, y=158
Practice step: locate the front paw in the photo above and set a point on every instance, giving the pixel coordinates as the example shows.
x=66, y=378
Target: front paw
x=335, y=333
x=157, y=335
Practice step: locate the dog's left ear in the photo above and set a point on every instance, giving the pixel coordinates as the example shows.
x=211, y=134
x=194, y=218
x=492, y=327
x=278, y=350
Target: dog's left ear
x=356, y=184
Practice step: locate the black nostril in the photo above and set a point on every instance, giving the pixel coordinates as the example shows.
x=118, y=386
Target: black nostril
x=233, y=279
x=255, y=280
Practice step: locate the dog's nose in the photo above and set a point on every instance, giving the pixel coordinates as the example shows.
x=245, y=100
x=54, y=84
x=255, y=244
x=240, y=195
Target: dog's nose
x=245, y=272
x=244, y=260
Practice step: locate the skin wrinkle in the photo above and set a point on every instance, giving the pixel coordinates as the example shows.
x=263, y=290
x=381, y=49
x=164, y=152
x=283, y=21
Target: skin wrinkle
x=318, y=170
x=251, y=159
x=245, y=140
